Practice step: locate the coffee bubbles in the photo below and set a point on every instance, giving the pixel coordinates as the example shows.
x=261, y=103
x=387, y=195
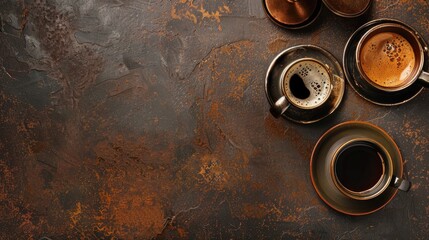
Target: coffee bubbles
x=307, y=84
x=388, y=59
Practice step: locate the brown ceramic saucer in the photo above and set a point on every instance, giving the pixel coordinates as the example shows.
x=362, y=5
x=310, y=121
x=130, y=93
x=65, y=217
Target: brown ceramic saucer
x=321, y=159
x=292, y=14
x=347, y=8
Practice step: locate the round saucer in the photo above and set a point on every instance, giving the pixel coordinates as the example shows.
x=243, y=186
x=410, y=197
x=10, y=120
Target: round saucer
x=355, y=80
x=273, y=84
x=321, y=159
x=292, y=14
x=347, y=8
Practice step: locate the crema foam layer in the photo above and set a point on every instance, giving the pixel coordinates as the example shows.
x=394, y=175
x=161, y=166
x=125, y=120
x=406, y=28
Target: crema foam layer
x=387, y=59
x=307, y=84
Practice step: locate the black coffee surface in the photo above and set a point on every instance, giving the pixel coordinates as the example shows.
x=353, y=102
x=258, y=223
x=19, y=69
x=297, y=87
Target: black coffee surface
x=298, y=88
x=359, y=167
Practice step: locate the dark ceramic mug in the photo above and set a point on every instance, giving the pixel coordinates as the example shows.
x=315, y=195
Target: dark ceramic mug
x=362, y=169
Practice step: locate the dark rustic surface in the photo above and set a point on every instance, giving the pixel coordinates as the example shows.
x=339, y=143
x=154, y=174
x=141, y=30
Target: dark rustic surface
x=148, y=119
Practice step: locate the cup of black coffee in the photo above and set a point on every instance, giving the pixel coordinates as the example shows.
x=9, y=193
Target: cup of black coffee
x=305, y=84
x=390, y=58
x=362, y=169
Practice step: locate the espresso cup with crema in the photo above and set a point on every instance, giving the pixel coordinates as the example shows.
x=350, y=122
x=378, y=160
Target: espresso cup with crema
x=305, y=84
x=390, y=58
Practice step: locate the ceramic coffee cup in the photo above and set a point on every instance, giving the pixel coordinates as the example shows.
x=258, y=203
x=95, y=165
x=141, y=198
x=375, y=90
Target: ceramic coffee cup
x=390, y=57
x=305, y=84
x=356, y=168
x=362, y=169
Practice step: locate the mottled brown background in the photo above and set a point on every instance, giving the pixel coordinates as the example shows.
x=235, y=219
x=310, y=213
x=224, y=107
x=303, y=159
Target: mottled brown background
x=148, y=119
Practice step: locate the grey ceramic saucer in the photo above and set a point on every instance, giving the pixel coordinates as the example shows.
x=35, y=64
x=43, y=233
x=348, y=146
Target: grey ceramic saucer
x=321, y=159
x=355, y=80
x=273, y=84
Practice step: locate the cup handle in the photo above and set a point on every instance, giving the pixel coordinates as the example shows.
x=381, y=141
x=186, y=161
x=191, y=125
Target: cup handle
x=279, y=107
x=424, y=79
x=401, y=184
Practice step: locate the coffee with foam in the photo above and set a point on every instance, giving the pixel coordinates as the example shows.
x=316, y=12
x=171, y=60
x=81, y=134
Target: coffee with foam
x=388, y=60
x=307, y=84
